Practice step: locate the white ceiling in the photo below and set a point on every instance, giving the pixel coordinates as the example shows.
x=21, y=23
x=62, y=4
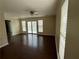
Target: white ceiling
x=43, y=7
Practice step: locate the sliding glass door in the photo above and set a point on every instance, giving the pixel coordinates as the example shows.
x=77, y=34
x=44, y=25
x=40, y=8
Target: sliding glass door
x=32, y=26
x=29, y=25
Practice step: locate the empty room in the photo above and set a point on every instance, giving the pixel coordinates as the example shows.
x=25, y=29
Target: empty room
x=39, y=29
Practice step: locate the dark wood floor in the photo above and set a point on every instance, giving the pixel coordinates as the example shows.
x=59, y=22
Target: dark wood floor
x=29, y=47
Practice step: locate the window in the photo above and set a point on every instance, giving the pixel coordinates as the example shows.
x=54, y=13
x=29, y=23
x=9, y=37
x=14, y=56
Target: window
x=23, y=25
x=40, y=25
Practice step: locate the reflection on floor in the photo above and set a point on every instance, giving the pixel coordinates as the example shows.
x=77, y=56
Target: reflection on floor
x=29, y=47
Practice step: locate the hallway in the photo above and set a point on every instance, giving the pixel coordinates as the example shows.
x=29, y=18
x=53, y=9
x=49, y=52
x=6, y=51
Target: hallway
x=29, y=47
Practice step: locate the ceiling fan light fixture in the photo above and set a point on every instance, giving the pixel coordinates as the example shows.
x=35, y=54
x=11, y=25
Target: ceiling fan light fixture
x=33, y=12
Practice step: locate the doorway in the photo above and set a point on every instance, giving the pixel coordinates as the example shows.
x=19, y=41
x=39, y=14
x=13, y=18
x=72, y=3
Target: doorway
x=32, y=27
x=8, y=29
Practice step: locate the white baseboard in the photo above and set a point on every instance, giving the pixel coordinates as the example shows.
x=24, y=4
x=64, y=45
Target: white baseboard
x=4, y=45
x=47, y=34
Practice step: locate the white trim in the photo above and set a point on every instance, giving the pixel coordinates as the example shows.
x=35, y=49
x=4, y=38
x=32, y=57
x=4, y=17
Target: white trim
x=47, y=34
x=4, y=45
x=58, y=55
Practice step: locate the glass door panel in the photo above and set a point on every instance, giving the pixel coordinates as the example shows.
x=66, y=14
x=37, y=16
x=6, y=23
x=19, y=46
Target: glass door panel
x=34, y=27
x=29, y=25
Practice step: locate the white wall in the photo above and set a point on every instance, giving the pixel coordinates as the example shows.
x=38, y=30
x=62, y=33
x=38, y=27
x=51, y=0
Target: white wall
x=49, y=23
x=72, y=42
x=3, y=35
x=72, y=37
x=15, y=27
x=14, y=24
x=61, y=23
x=58, y=23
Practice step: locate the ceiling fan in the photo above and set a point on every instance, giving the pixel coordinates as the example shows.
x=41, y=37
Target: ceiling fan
x=32, y=12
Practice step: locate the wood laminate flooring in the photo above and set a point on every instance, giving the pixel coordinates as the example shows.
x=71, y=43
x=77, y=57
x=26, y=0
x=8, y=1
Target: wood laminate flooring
x=29, y=47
